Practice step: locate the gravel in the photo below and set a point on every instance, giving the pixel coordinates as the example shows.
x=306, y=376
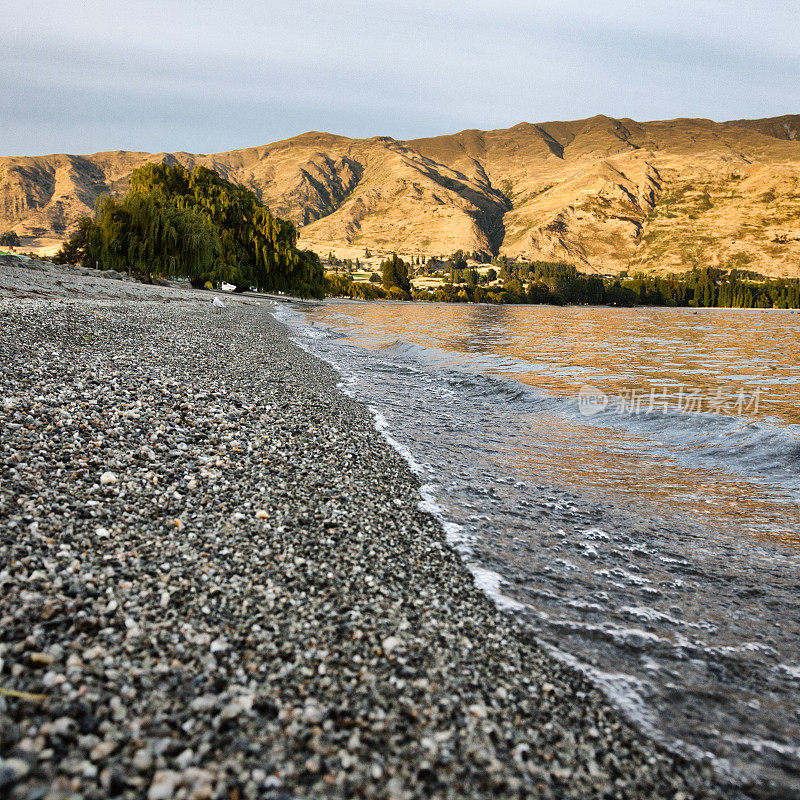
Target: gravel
x=216, y=582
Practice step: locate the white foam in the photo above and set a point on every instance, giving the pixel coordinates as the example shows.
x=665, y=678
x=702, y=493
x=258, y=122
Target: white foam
x=382, y=426
x=760, y=745
x=489, y=581
x=625, y=692
x=792, y=670
x=595, y=534
x=650, y=614
x=618, y=572
x=315, y=333
x=636, y=638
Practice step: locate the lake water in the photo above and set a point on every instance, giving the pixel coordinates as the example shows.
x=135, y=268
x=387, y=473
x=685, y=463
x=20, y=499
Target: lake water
x=627, y=481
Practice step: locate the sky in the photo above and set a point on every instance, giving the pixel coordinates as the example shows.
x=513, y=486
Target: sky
x=214, y=75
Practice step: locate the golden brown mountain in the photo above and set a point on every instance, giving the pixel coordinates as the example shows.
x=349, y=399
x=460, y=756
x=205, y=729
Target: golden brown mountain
x=605, y=194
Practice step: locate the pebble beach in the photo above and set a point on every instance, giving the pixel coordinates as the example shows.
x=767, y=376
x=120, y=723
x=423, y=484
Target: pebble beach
x=216, y=581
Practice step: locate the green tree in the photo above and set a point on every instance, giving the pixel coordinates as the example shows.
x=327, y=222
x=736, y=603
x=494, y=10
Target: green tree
x=138, y=234
x=395, y=273
x=73, y=251
x=9, y=239
x=257, y=249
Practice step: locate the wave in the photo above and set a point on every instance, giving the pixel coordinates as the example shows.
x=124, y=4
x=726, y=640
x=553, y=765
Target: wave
x=746, y=446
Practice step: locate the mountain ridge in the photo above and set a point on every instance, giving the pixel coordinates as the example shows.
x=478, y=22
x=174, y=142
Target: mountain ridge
x=603, y=193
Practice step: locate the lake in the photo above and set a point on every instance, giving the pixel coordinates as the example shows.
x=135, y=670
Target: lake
x=626, y=481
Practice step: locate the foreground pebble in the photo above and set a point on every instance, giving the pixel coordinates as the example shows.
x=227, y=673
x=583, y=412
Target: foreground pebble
x=254, y=606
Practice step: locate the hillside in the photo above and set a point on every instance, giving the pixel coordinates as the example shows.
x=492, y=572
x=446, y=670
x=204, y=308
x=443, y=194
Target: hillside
x=606, y=194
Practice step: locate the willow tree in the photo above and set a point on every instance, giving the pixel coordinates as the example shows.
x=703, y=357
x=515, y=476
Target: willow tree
x=196, y=224
x=256, y=248
x=139, y=234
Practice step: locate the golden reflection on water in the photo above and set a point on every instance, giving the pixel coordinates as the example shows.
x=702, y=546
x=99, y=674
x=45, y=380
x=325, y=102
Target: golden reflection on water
x=612, y=348
x=713, y=352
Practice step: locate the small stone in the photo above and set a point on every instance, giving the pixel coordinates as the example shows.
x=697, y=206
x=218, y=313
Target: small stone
x=199, y=783
x=143, y=760
x=63, y=726
x=184, y=760
x=313, y=713
x=13, y=770
x=164, y=784
x=313, y=764
x=391, y=643
x=478, y=710
x=262, y=514
x=108, y=479
x=102, y=533
x=231, y=710
x=258, y=776
x=88, y=770
x=203, y=703
x=93, y=653
x=102, y=750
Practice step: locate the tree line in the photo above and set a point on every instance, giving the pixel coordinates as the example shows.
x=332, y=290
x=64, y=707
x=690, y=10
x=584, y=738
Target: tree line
x=556, y=283
x=174, y=222
x=708, y=287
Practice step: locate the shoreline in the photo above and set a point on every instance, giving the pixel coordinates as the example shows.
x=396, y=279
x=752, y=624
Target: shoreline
x=255, y=603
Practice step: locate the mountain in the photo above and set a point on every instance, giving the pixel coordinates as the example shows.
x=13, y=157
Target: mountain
x=605, y=194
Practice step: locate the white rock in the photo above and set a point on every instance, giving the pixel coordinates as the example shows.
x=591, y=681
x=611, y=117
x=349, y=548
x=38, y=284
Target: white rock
x=142, y=760
x=102, y=750
x=164, y=784
x=390, y=643
x=313, y=713
x=102, y=533
x=108, y=479
x=478, y=710
x=183, y=760
x=219, y=645
x=204, y=703
x=246, y=701
x=259, y=776
x=18, y=766
x=63, y=726
x=232, y=710
x=262, y=514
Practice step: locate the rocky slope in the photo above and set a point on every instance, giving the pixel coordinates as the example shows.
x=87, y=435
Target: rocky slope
x=606, y=194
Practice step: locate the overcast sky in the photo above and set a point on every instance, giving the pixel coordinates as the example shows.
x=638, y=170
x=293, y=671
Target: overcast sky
x=214, y=75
